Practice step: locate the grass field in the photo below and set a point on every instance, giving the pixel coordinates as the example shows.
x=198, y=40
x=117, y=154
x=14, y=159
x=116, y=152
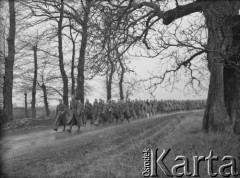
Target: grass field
x=116, y=150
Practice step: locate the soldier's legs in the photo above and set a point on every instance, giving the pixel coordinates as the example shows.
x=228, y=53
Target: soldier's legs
x=96, y=122
x=127, y=116
x=64, y=127
x=115, y=116
x=70, y=127
x=78, y=127
x=134, y=114
x=63, y=121
x=56, y=123
x=92, y=120
x=71, y=123
x=121, y=116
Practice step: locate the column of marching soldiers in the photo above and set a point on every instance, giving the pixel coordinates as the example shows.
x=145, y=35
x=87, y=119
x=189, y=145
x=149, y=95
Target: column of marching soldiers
x=117, y=111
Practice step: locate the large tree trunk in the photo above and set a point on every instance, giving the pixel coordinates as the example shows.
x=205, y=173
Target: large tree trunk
x=109, y=88
x=236, y=123
x=233, y=74
x=45, y=99
x=121, y=79
x=215, y=114
x=1, y=59
x=72, y=66
x=81, y=60
x=121, y=84
x=109, y=79
x=9, y=63
x=60, y=51
x=33, y=106
x=110, y=72
x=219, y=111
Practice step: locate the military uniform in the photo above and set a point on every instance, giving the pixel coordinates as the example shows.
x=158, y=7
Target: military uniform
x=120, y=110
x=114, y=111
x=148, y=108
x=137, y=109
x=102, y=117
x=88, y=112
x=142, y=113
x=95, y=111
x=126, y=111
x=80, y=112
x=131, y=109
x=99, y=112
x=74, y=116
x=60, y=118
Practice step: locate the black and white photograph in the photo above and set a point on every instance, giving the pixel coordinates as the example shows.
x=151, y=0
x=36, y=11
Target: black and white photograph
x=119, y=88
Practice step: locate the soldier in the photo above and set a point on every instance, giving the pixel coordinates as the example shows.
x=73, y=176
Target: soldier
x=102, y=117
x=114, y=110
x=74, y=117
x=142, y=112
x=126, y=111
x=80, y=111
x=148, y=109
x=108, y=111
x=120, y=109
x=60, y=117
x=95, y=111
x=99, y=111
x=155, y=105
x=137, y=108
x=132, y=111
x=88, y=112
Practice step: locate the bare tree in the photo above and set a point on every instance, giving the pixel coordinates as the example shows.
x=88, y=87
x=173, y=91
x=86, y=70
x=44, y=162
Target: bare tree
x=73, y=40
x=25, y=103
x=60, y=50
x=9, y=63
x=219, y=16
x=82, y=52
x=1, y=55
x=47, y=12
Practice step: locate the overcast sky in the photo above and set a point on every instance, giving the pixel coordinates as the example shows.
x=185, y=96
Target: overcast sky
x=142, y=67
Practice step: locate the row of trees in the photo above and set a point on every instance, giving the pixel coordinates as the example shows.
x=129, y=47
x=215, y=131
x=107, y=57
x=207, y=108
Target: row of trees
x=55, y=39
x=98, y=34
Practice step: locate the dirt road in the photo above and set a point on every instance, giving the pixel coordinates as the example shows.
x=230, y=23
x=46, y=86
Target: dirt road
x=94, y=152
x=13, y=146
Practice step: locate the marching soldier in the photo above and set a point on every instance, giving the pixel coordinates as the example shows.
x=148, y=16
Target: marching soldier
x=95, y=110
x=142, y=112
x=99, y=112
x=137, y=108
x=108, y=111
x=80, y=111
x=102, y=117
x=74, y=116
x=88, y=112
x=148, y=108
x=126, y=111
x=132, y=110
x=120, y=110
x=114, y=110
x=60, y=117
